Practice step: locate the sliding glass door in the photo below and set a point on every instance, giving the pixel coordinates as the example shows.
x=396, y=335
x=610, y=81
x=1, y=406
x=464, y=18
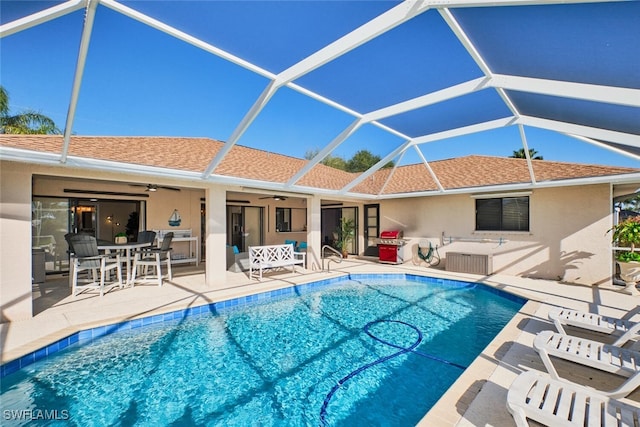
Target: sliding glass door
x=245, y=226
x=330, y=223
x=49, y=223
x=53, y=217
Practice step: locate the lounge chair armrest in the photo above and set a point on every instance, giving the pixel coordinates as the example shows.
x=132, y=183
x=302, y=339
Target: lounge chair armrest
x=631, y=334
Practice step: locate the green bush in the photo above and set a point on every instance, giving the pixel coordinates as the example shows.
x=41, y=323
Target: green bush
x=627, y=233
x=628, y=256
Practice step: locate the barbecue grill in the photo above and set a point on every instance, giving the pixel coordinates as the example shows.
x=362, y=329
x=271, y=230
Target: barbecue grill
x=391, y=247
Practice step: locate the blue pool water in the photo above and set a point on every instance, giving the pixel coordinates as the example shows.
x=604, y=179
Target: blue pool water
x=372, y=351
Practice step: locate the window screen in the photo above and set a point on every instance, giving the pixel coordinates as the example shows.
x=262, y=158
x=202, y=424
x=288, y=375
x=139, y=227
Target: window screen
x=502, y=214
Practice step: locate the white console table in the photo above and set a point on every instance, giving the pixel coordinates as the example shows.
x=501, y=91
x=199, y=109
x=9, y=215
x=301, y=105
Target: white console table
x=182, y=236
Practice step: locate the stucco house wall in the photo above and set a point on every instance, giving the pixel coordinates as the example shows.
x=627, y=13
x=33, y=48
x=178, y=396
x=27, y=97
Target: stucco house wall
x=15, y=242
x=17, y=187
x=567, y=240
x=160, y=205
x=269, y=206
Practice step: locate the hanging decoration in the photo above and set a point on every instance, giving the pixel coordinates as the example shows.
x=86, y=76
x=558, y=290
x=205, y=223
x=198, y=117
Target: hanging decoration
x=174, y=219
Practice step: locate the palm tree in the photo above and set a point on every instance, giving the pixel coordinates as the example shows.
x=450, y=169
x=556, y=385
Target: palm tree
x=519, y=154
x=26, y=122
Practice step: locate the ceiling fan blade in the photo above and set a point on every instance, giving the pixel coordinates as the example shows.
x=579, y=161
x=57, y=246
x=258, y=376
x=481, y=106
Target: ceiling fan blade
x=275, y=197
x=168, y=188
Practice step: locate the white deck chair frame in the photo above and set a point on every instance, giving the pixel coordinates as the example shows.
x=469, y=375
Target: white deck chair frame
x=105, y=264
x=625, y=328
x=597, y=355
x=537, y=396
x=154, y=258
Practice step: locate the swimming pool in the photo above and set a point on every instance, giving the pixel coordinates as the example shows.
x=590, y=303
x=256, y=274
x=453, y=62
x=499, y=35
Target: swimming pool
x=365, y=350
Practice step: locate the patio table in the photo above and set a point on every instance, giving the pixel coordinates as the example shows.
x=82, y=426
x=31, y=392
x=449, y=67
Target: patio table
x=126, y=247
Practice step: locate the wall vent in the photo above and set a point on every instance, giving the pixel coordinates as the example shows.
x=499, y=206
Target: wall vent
x=469, y=263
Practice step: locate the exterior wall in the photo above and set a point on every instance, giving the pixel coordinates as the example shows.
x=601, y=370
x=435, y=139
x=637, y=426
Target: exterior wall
x=160, y=204
x=314, y=257
x=17, y=185
x=567, y=239
x=216, y=238
x=272, y=236
x=269, y=205
x=15, y=242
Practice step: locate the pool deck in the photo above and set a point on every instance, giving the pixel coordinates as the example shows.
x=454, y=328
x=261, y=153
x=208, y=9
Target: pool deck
x=477, y=398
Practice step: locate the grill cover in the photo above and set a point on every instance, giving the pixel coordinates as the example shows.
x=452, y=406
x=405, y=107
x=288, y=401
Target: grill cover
x=391, y=234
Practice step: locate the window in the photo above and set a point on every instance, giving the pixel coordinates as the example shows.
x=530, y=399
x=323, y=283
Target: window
x=283, y=219
x=502, y=214
x=291, y=219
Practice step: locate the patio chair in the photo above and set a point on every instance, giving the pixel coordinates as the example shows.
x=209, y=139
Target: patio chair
x=597, y=355
x=146, y=236
x=71, y=254
x=154, y=257
x=87, y=258
x=622, y=327
x=291, y=242
x=551, y=402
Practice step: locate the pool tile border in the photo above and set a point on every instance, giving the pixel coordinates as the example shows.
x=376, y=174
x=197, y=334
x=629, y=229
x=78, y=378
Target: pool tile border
x=88, y=335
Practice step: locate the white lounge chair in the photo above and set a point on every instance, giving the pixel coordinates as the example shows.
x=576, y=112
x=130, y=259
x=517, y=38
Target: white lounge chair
x=624, y=327
x=552, y=402
x=605, y=357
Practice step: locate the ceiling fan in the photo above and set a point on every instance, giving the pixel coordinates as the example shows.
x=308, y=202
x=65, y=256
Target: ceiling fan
x=274, y=197
x=154, y=187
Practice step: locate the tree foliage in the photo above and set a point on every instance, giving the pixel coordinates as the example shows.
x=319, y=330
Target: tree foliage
x=520, y=154
x=360, y=162
x=27, y=122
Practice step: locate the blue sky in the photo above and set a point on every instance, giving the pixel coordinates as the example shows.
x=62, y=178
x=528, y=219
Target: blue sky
x=139, y=81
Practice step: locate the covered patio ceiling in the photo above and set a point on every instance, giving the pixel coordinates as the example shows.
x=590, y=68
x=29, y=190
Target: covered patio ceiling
x=411, y=73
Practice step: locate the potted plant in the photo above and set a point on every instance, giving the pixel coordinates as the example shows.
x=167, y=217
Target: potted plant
x=346, y=233
x=121, y=238
x=627, y=234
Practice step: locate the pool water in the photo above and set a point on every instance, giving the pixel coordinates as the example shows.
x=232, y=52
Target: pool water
x=276, y=362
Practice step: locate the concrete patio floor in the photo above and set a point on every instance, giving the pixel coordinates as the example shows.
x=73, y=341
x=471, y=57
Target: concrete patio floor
x=477, y=398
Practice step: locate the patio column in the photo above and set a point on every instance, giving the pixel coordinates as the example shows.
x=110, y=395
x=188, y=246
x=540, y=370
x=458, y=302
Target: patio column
x=15, y=235
x=314, y=235
x=216, y=240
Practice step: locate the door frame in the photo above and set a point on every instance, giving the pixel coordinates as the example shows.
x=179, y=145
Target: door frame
x=371, y=249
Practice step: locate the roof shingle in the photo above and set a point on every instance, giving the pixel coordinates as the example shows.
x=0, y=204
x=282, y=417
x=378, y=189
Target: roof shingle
x=194, y=155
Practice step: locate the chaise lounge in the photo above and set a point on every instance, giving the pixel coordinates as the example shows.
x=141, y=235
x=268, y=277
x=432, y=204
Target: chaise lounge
x=597, y=355
x=554, y=402
x=622, y=327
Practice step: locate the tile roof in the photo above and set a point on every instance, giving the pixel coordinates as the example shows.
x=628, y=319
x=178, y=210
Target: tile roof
x=478, y=171
x=194, y=154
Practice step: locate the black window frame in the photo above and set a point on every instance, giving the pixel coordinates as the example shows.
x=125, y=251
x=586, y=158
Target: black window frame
x=288, y=220
x=503, y=214
x=283, y=220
